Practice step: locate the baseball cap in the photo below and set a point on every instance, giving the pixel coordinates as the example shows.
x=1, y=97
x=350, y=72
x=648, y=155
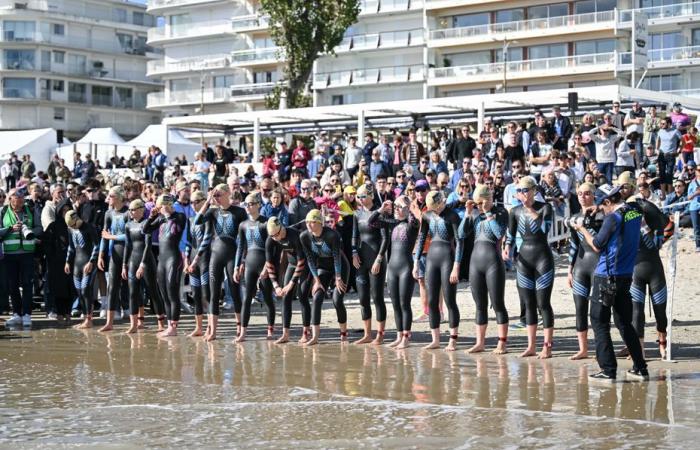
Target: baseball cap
x=625, y=177
x=421, y=186
x=349, y=190
x=691, y=163
x=604, y=192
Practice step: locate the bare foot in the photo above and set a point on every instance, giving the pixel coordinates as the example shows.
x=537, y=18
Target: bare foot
x=141, y=325
x=303, y=339
x=582, y=354
x=105, y=328
x=343, y=338
x=528, y=352
x=501, y=348
x=131, y=330
x=210, y=337
x=196, y=333
x=239, y=339
x=546, y=353
x=270, y=335
x=432, y=346
x=404, y=344
x=379, y=340
x=451, y=345
x=161, y=327
x=365, y=340
x=312, y=341
x=477, y=348
x=283, y=339
x=395, y=343
x=83, y=326
x=662, y=350
x=169, y=332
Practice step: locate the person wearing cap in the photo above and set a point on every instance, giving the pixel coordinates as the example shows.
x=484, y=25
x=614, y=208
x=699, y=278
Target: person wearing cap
x=617, y=243
x=170, y=226
x=250, y=265
x=485, y=224
x=442, y=264
x=197, y=256
x=679, y=119
x=369, y=245
x=582, y=263
x=139, y=266
x=326, y=262
x=224, y=220
x=348, y=205
x=528, y=227
x=111, y=256
x=283, y=240
x=694, y=207
x=81, y=261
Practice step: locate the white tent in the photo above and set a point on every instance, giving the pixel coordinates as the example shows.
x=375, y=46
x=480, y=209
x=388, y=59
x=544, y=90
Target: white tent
x=104, y=143
x=176, y=143
x=40, y=144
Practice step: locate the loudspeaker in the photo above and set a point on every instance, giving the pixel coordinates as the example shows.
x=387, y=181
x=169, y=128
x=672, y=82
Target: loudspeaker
x=59, y=136
x=573, y=101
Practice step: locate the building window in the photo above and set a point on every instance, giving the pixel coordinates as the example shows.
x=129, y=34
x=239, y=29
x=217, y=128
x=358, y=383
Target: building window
x=510, y=15
x=19, y=59
x=45, y=89
x=140, y=46
x=546, y=11
x=59, y=57
x=58, y=29
x=77, y=64
x=593, y=47
x=470, y=20
x=514, y=54
x=547, y=51
x=139, y=18
x=126, y=41
x=593, y=6
x=123, y=97
x=18, y=87
x=338, y=100
x=18, y=30
x=223, y=81
x=59, y=114
x=662, y=82
x=102, y=95
x=77, y=92
x=58, y=85
x=119, y=15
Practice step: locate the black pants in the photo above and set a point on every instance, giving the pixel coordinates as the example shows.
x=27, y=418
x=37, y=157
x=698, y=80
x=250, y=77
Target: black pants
x=600, y=321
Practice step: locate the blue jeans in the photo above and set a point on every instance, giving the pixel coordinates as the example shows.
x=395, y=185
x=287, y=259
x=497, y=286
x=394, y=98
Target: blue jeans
x=695, y=219
x=607, y=170
x=20, y=273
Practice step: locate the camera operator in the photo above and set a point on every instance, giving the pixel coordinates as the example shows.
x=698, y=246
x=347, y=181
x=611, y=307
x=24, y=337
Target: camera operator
x=617, y=243
x=18, y=227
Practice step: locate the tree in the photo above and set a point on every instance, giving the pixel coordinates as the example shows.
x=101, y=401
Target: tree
x=305, y=29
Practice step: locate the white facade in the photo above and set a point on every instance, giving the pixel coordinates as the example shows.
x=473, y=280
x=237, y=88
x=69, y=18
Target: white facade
x=74, y=65
x=218, y=52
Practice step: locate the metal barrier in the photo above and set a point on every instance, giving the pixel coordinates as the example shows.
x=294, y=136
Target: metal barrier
x=559, y=230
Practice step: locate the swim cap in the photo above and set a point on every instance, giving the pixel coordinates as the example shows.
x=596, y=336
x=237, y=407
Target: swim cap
x=364, y=190
x=117, y=191
x=314, y=216
x=624, y=178
x=223, y=187
x=433, y=199
x=527, y=182
x=180, y=186
x=198, y=195
x=481, y=192
x=273, y=226
x=165, y=200
x=586, y=187
x=252, y=198
x=136, y=204
x=73, y=219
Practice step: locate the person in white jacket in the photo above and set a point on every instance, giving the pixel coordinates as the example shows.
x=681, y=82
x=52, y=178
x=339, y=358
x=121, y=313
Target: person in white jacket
x=605, y=142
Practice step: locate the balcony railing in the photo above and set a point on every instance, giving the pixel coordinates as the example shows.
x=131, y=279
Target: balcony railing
x=157, y=4
x=243, y=91
x=252, y=22
x=390, y=39
x=187, y=97
x=256, y=56
x=550, y=66
x=158, y=66
x=387, y=6
x=398, y=74
x=18, y=93
x=674, y=54
x=194, y=29
x=82, y=10
x=100, y=45
x=685, y=92
x=522, y=26
x=664, y=12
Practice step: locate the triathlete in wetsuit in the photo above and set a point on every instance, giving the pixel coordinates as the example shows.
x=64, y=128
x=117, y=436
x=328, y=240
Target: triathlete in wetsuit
x=83, y=245
x=197, y=255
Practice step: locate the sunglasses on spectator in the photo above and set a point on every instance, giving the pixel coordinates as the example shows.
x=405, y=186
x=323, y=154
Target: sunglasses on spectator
x=400, y=176
x=522, y=190
x=306, y=189
x=328, y=190
x=135, y=209
x=410, y=190
x=361, y=197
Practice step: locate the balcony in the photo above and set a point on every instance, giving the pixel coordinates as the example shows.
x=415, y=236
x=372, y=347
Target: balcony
x=94, y=71
x=445, y=4
x=188, y=97
x=256, y=56
x=371, y=7
x=251, y=92
x=522, y=29
x=84, y=12
x=190, y=30
x=674, y=57
x=374, y=41
x=254, y=22
x=97, y=45
x=668, y=14
x=156, y=6
x=533, y=68
x=685, y=92
x=17, y=93
x=160, y=67
x=364, y=77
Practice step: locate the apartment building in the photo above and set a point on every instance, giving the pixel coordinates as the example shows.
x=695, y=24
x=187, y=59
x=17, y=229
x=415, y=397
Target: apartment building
x=75, y=64
x=219, y=56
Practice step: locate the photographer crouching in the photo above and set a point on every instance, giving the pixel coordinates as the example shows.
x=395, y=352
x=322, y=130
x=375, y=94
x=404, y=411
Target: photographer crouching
x=617, y=243
x=18, y=227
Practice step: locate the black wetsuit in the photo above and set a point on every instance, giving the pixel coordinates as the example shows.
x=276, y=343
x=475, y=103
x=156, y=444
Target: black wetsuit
x=399, y=276
x=487, y=274
x=115, y=223
x=138, y=252
x=83, y=245
x=326, y=261
x=535, y=264
x=225, y=223
x=296, y=272
x=649, y=271
x=251, y=249
x=583, y=259
x=369, y=239
x=169, y=270
x=445, y=250
x=198, y=245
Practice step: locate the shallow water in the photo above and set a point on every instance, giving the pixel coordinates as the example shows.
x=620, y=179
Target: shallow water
x=67, y=388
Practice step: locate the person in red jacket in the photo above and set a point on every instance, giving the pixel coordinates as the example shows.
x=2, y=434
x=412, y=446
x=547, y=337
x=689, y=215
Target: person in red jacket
x=300, y=156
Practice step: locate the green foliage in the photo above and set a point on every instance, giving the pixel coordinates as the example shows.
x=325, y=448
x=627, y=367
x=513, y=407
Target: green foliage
x=305, y=29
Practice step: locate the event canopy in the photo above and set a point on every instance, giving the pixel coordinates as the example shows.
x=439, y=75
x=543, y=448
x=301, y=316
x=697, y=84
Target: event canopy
x=39, y=144
x=174, y=143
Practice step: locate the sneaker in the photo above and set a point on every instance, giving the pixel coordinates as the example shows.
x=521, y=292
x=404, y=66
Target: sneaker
x=638, y=374
x=103, y=313
x=75, y=313
x=602, y=376
x=228, y=306
x=422, y=319
x=517, y=325
x=623, y=352
x=16, y=319
x=118, y=314
x=52, y=316
x=27, y=320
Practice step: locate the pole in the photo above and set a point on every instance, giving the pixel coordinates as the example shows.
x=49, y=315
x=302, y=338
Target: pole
x=360, y=125
x=634, y=50
x=256, y=139
x=672, y=270
x=201, y=103
x=505, y=65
